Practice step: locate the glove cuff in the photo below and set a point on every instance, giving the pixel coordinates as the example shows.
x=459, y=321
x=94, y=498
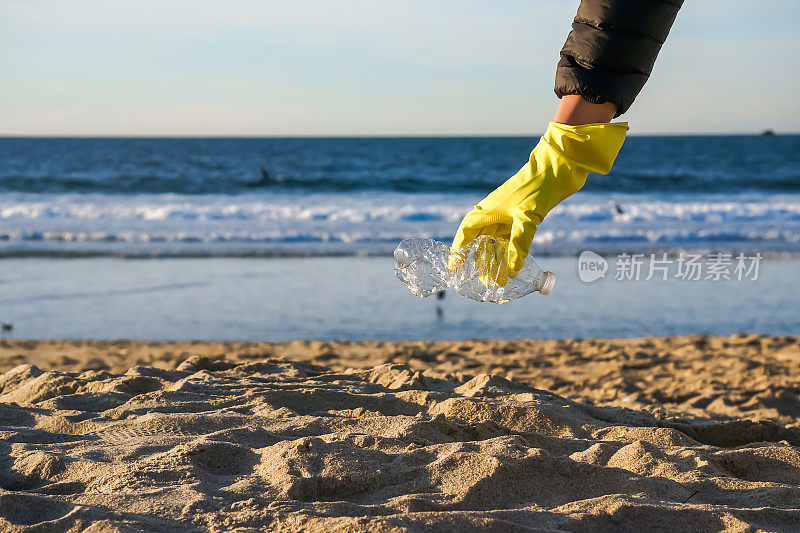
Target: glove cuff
x=593, y=147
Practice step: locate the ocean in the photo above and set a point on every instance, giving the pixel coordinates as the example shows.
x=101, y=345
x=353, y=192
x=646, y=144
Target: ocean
x=276, y=239
x=330, y=196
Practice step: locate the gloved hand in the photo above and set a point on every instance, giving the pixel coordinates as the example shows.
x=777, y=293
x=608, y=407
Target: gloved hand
x=557, y=168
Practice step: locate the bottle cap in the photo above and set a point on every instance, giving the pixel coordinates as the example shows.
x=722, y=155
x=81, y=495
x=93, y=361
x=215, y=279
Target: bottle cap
x=548, y=283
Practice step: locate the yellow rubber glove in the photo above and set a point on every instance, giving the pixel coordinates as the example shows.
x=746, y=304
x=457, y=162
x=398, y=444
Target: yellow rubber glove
x=557, y=168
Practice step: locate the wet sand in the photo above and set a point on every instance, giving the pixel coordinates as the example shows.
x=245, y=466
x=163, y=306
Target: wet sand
x=670, y=434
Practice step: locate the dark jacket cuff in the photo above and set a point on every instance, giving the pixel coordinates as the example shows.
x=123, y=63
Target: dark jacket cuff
x=610, y=52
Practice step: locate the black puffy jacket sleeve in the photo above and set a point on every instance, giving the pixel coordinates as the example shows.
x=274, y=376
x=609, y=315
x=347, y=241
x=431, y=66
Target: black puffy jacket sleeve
x=612, y=47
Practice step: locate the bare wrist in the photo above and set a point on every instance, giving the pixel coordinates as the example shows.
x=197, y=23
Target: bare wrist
x=573, y=110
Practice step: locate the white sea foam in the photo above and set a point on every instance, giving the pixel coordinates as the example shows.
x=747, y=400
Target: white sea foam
x=371, y=220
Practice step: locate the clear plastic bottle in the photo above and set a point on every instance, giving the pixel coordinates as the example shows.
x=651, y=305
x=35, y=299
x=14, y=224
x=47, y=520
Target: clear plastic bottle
x=422, y=265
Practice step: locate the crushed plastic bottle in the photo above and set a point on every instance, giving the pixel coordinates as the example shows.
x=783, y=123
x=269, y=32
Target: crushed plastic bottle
x=422, y=265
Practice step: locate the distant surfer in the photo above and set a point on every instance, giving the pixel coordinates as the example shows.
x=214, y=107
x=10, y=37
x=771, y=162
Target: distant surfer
x=265, y=181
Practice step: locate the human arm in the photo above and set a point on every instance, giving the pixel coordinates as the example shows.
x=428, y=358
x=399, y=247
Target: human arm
x=605, y=61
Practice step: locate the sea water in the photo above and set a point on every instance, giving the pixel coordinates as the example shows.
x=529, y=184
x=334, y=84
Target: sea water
x=267, y=197
x=281, y=299
x=245, y=212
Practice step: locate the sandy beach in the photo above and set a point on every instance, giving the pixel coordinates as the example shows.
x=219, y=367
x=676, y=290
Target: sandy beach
x=678, y=433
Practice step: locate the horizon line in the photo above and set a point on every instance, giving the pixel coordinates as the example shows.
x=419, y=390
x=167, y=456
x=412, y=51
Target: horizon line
x=362, y=136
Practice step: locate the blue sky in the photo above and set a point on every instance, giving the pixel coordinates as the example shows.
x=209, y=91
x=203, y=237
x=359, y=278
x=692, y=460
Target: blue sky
x=353, y=67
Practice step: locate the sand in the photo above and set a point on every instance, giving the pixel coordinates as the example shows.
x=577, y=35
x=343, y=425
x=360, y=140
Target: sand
x=681, y=433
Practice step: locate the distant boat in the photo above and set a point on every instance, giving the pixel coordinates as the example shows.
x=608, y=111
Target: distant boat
x=768, y=133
